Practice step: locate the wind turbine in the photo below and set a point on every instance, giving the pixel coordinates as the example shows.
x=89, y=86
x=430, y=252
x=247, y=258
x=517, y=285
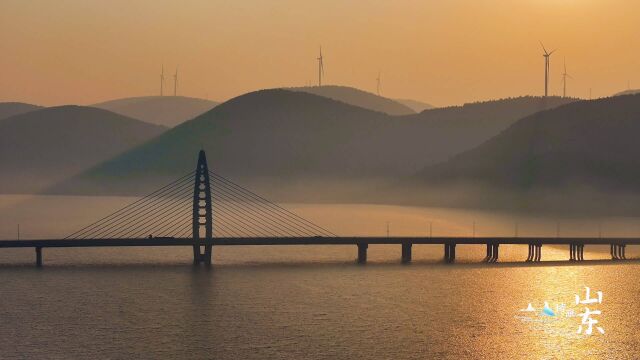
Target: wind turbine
x=320, y=68
x=161, y=80
x=175, y=83
x=378, y=84
x=546, y=56
x=564, y=79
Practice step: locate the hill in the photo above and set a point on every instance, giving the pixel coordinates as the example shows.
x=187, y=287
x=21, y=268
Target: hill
x=415, y=105
x=455, y=129
x=302, y=146
x=161, y=110
x=588, y=146
x=9, y=109
x=628, y=92
x=47, y=145
x=359, y=98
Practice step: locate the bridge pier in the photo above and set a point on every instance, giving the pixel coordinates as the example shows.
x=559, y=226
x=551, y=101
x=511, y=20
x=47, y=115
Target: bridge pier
x=618, y=251
x=200, y=256
x=571, y=252
x=362, y=253
x=529, y=252
x=449, y=252
x=538, y=252
x=446, y=252
x=492, y=252
x=453, y=252
x=576, y=252
x=406, y=253
x=622, y=251
x=38, y=256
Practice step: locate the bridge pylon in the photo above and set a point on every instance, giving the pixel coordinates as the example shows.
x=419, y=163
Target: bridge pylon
x=202, y=214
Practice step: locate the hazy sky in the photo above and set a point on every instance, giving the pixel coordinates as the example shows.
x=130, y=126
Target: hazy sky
x=443, y=52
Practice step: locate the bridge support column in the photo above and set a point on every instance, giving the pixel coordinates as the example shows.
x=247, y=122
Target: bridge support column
x=618, y=251
x=572, y=250
x=406, y=253
x=621, y=251
x=529, y=252
x=450, y=252
x=624, y=251
x=39, y=256
x=538, y=252
x=581, y=252
x=362, y=253
x=492, y=252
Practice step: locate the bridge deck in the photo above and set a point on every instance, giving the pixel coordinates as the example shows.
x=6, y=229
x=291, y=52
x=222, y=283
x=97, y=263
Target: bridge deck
x=253, y=241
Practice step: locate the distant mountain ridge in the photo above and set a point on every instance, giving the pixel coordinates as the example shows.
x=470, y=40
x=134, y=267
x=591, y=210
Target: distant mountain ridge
x=161, y=110
x=628, y=92
x=357, y=97
x=415, y=105
x=583, y=145
x=50, y=144
x=9, y=109
x=279, y=140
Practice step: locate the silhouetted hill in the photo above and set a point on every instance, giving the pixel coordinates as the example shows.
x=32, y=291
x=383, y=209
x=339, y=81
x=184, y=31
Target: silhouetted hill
x=415, y=105
x=587, y=145
x=628, y=92
x=288, y=142
x=9, y=109
x=162, y=110
x=451, y=130
x=359, y=98
x=42, y=146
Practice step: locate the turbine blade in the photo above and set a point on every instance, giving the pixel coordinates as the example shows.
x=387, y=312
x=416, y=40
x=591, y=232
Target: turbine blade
x=543, y=48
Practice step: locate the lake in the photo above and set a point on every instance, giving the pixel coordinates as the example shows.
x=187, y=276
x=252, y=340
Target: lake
x=314, y=301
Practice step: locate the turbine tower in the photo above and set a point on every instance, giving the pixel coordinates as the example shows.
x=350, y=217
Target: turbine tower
x=564, y=80
x=378, y=84
x=175, y=83
x=546, y=56
x=320, y=68
x=161, y=80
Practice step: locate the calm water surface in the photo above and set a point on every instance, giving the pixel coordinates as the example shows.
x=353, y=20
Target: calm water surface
x=311, y=302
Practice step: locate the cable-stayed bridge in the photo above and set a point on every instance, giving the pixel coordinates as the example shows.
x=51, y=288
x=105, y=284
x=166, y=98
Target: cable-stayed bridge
x=203, y=209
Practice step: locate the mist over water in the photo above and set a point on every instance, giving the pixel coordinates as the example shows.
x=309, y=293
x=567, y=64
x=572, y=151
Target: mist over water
x=58, y=216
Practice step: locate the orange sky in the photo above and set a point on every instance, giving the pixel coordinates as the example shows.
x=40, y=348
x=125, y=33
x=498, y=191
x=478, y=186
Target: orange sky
x=443, y=52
